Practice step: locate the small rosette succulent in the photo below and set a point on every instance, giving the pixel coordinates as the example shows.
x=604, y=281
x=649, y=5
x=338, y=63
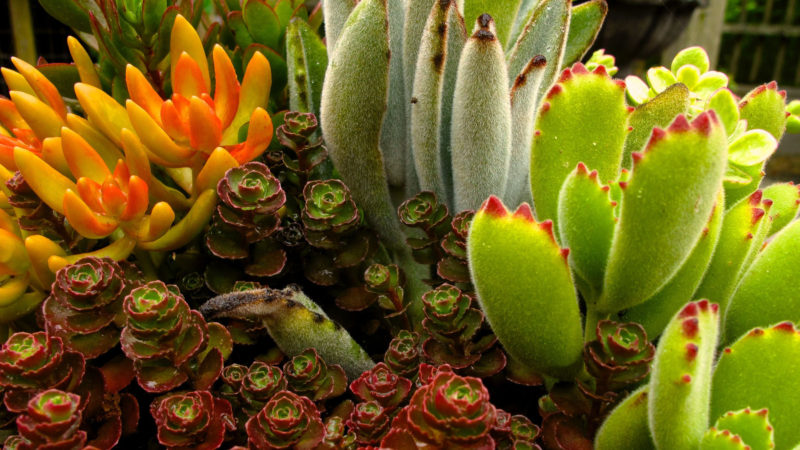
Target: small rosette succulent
x=620, y=356
x=336, y=437
x=329, y=213
x=168, y=341
x=51, y=421
x=424, y=211
x=403, y=354
x=298, y=134
x=381, y=385
x=286, y=421
x=369, y=421
x=33, y=362
x=458, y=336
x=194, y=420
x=307, y=374
x=85, y=305
x=450, y=411
x=386, y=281
x=259, y=384
x=515, y=432
x=453, y=267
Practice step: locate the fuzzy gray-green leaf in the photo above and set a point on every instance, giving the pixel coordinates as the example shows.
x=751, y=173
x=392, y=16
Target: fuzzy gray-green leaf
x=394, y=131
x=336, y=13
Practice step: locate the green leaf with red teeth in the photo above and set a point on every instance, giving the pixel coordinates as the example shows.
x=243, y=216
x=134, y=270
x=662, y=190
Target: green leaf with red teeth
x=768, y=292
x=715, y=439
x=785, y=204
x=586, y=218
x=758, y=371
x=655, y=313
x=744, y=229
x=765, y=108
x=626, y=426
x=569, y=130
x=664, y=209
x=525, y=288
x=680, y=382
x=753, y=427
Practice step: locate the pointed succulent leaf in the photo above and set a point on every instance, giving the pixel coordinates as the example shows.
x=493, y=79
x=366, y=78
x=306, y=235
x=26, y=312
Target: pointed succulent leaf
x=569, y=131
x=658, y=226
x=752, y=373
x=481, y=128
x=752, y=426
x=517, y=289
x=744, y=229
x=307, y=60
x=584, y=25
x=189, y=227
x=764, y=296
x=765, y=108
x=394, y=130
x=715, y=439
x=353, y=105
x=655, y=313
x=524, y=96
x=48, y=184
x=296, y=323
x=586, y=218
x=504, y=13
x=726, y=107
x=544, y=34
x=626, y=426
x=680, y=381
x=37, y=114
x=336, y=13
x=416, y=14
x=440, y=48
x=785, y=199
x=658, y=112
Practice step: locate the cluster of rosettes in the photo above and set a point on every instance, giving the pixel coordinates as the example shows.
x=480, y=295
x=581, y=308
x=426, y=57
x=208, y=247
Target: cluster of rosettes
x=620, y=356
x=251, y=198
x=331, y=225
x=297, y=133
x=457, y=333
x=194, y=420
x=249, y=388
x=381, y=393
x=445, y=241
x=515, y=432
x=403, y=355
x=51, y=420
x=84, y=308
x=170, y=343
x=307, y=374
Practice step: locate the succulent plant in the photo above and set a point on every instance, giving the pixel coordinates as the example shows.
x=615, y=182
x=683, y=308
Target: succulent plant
x=404, y=354
x=51, y=420
x=299, y=134
x=308, y=375
x=369, y=421
x=192, y=420
x=170, y=343
x=381, y=385
x=620, y=356
x=259, y=384
x=448, y=411
x=286, y=421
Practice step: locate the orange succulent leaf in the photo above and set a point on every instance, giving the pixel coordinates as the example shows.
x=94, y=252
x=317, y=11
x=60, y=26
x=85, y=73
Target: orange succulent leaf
x=142, y=93
x=16, y=82
x=48, y=183
x=13, y=257
x=82, y=159
x=254, y=93
x=189, y=227
x=226, y=89
x=204, y=125
x=137, y=200
x=104, y=112
x=44, y=89
x=85, y=221
x=83, y=63
x=162, y=150
x=91, y=193
x=114, y=198
x=11, y=290
x=40, y=249
x=8, y=223
x=219, y=162
x=184, y=38
x=259, y=135
x=107, y=149
x=53, y=154
x=38, y=115
x=187, y=79
x=9, y=116
x=136, y=158
x=157, y=223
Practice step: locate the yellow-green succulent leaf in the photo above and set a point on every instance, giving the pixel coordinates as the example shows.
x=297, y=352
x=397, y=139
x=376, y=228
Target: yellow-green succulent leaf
x=785, y=199
x=626, y=425
x=584, y=26
x=765, y=108
x=752, y=426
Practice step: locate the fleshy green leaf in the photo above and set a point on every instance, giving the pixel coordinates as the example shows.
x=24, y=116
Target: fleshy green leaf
x=753, y=427
x=680, y=381
x=724, y=104
x=584, y=25
x=262, y=23
x=765, y=108
x=395, y=129
x=658, y=112
x=753, y=147
x=660, y=78
x=353, y=104
x=754, y=372
x=481, y=127
x=335, y=13
x=665, y=207
x=626, y=426
x=766, y=295
x=525, y=288
x=295, y=323
x=785, y=199
x=655, y=313
x=715, y=439
x=307, y=60
x=695, y=56
x=569, y=131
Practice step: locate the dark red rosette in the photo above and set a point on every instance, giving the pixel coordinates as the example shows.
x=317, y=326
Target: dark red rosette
x=51, y=421
x=34, y=362
x=620, y=356
x=453, y=266
x=286, y=421
x=403, y=354
x=259, y=384
x=382, y=385
x=309, y=375
x=369, y=421
x=450, y=411
x=85, y=305
x=193, y=420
